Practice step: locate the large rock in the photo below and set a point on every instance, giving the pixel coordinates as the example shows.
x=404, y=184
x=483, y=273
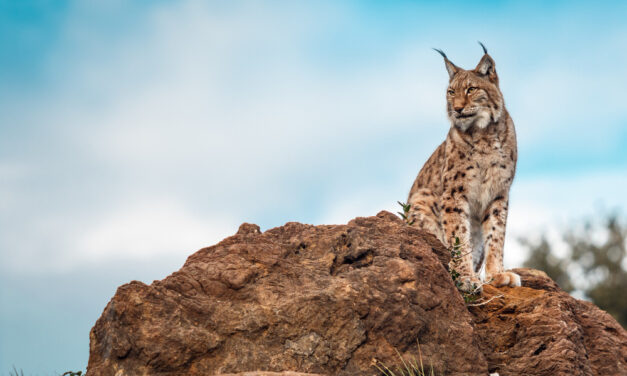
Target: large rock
x=332, y=299
x=319, y=299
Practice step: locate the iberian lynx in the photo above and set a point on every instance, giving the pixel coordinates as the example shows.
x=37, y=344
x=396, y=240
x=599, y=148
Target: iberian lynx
x=461, y=193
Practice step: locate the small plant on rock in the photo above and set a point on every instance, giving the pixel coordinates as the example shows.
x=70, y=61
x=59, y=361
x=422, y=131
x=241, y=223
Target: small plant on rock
x=456, y=257
x=408, y=368
x=405, y=213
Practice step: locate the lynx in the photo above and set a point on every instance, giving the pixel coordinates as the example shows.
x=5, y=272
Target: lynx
x=461, y=193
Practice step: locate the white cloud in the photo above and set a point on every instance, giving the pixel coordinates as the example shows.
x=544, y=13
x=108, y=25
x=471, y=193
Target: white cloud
x=235, y=108
x=553, y=204
x=200, y=108
x=361, y=203
x=10, y=173
x=149, y=229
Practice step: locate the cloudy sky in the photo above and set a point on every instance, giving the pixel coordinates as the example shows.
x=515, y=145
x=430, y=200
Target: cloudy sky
x=134, y=133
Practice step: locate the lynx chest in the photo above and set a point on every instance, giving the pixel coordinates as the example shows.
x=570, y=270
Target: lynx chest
x=489, y=171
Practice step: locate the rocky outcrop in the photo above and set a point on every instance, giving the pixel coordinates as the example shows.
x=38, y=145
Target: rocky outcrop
x=539, y=329
x=330, y=300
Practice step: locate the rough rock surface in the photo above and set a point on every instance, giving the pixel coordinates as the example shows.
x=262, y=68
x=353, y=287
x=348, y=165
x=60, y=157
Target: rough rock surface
x=317, y=299
x=262, y=373
x=330, y=299
x=539, y=329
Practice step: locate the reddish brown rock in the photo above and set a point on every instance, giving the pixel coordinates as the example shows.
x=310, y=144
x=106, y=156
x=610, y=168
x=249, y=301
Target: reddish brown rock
x=262, y=373
x=329, y=299
x=317, y=299
x=539, y=329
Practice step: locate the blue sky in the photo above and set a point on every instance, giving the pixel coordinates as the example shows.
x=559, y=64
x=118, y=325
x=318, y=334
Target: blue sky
x=133, y=134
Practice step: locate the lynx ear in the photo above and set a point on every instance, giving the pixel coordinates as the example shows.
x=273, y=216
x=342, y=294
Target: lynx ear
x=450, y=67
x=486, y=66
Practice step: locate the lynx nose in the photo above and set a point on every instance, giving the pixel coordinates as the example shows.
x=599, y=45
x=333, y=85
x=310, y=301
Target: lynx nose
x=458, y=109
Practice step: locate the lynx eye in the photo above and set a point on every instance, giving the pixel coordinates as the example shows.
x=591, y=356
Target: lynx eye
x=471, y=89
x=451, y=92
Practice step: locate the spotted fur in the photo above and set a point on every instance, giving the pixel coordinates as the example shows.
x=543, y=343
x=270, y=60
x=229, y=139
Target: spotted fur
x=462, y=191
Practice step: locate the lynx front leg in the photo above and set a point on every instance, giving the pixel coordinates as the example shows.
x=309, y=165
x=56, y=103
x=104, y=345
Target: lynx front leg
x=456, y=223
x=493, y=226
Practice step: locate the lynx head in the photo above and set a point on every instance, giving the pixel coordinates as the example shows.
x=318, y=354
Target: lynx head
x=473, y=97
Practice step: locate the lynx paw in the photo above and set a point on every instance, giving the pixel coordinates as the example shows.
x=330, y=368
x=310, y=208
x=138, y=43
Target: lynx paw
x=469, y=285
x=505, y=279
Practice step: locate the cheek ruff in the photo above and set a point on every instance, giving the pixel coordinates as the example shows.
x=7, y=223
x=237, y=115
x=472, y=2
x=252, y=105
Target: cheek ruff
x=483, y=119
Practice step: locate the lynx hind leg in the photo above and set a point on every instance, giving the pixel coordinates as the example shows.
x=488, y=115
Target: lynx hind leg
x=425, y=214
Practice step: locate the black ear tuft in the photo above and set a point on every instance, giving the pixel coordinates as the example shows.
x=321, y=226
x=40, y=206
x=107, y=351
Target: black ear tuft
x=451, y=68
x=485, y=50
x=441, y=53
